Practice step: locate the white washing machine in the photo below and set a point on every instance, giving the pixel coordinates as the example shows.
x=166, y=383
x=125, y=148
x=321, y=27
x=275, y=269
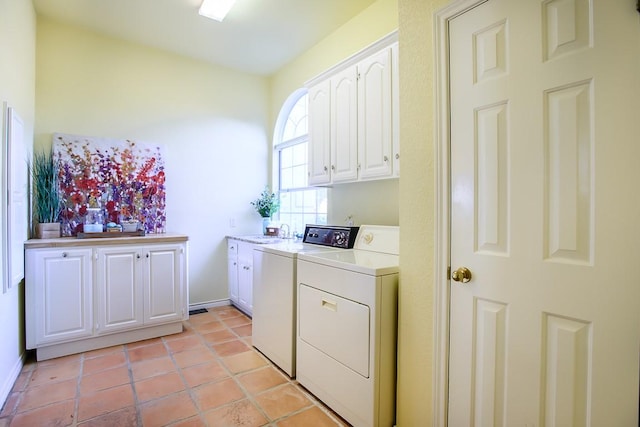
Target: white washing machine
x=347, y=326
x=274, y=290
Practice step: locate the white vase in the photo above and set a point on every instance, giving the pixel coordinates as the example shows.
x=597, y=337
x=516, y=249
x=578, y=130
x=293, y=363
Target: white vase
x=265, y=223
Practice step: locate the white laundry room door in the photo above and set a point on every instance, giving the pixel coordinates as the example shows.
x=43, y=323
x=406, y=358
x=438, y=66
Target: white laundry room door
x=545, y=214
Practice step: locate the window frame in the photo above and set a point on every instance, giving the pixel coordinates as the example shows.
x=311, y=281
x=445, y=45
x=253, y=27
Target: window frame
x=278, y=145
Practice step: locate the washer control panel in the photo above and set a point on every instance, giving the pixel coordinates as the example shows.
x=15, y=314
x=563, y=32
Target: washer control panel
x=334, y=236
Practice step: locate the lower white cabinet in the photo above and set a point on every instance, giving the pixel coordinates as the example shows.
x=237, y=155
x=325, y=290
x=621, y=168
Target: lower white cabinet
x=59, y=295
x=138, y=285
x=240, y=274
x=232, y=270
x=162, y=278
x=245, y=276
x=119, y=289
x=104, y=292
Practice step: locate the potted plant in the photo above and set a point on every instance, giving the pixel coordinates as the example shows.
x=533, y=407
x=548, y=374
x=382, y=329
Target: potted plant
x=45, y=198
x=266, y=205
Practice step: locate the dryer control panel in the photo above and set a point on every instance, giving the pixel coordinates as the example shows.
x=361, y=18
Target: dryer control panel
x=327, y=235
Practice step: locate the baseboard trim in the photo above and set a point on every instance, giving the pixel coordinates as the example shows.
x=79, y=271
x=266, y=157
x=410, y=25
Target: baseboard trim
x=210, y=304
x=11, y=379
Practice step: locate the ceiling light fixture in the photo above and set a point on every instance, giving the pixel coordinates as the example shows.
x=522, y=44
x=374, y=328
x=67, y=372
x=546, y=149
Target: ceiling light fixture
x=216, y=9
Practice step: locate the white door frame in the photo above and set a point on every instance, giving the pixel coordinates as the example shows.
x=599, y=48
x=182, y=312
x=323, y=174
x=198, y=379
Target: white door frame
x=443, y=216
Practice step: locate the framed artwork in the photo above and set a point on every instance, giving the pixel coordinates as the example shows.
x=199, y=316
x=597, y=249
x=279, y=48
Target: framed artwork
x=124, y=178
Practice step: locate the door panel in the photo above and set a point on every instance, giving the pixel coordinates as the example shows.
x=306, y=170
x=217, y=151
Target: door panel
x=63, y=295
x=375, y=133
x=544, y=106
x=164, y=276
x=118, y=278
x=344, y=126
x=319, y=133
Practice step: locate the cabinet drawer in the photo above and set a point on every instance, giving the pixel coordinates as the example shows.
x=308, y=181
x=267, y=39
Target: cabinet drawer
x=336, y=326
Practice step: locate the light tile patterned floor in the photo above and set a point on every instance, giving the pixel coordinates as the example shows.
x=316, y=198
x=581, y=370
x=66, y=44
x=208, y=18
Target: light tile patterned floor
x=209, y=375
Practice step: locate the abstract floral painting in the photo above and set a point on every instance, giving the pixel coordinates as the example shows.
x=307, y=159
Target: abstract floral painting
x=124, y=178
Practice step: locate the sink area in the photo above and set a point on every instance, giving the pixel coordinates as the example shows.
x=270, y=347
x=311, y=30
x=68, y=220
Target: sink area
x=259, y=238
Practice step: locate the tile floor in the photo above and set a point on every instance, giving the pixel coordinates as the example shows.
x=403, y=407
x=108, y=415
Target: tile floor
x=208, y=375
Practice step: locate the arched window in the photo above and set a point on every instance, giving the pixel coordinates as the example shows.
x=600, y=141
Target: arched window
x=299, y=203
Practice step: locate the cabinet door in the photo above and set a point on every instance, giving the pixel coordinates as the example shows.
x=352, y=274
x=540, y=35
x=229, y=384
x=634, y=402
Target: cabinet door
x=232, y=273
x=58, y=295
x=319, y=133
x=344, y=126
x=165, y=277
x=375, y=133
x=232, y=269
x=119, y=299
x=395, y=108
x=245, y=276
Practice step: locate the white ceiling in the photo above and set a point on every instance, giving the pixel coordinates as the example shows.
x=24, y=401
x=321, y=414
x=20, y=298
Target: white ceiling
x=257, y=36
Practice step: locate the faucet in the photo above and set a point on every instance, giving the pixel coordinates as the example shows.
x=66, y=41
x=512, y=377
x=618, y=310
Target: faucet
x=282, y=232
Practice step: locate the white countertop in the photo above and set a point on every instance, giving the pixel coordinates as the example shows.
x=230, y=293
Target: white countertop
x=258, y=238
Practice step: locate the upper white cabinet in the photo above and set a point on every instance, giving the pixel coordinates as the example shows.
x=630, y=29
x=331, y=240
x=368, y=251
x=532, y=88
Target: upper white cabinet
x=319, y=131
x=92, y=293
x=353, y=117
x=375, y=136
x=395, y=108
x=344, y=125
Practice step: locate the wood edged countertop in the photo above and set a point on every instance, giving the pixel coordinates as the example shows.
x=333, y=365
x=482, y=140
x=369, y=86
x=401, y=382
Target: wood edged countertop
x=64, y=242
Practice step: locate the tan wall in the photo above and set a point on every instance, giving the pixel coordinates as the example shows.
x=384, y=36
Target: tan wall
x=417, y=212
x=211, y=121
x=17, y=89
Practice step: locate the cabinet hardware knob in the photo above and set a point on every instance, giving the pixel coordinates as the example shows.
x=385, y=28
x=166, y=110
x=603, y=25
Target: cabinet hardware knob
x=64, y=254
x=138, y=256
x=386, y=159
x=325, y=169
x=147, y=255
x=397, y=156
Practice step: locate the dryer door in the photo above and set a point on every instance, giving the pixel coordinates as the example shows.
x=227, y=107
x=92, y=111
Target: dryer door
x=336, y=326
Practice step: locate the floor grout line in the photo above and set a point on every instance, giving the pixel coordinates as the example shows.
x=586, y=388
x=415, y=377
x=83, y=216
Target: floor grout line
x=136, y=401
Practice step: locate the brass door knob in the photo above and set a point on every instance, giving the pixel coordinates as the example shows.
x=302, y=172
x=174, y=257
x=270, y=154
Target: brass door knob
x=462, y=274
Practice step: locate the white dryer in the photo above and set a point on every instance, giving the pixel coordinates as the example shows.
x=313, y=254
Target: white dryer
x=347, y=326
x=274, y=290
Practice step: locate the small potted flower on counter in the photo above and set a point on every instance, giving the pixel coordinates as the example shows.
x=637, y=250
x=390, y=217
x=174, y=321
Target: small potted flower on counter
x=266, y=205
